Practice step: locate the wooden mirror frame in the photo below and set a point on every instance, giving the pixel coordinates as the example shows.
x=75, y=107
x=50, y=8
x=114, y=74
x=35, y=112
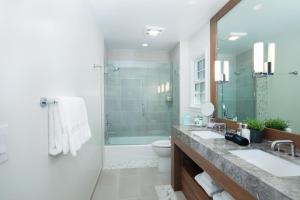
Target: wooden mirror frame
x=269, y=134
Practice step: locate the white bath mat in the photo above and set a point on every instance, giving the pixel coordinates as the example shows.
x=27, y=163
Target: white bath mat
x=166, y=192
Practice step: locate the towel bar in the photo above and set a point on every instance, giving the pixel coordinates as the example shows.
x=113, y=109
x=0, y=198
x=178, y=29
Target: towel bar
x=44, y=101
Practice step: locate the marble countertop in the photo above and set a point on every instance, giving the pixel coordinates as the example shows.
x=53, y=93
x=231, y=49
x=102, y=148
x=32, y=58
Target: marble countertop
x=253, y=179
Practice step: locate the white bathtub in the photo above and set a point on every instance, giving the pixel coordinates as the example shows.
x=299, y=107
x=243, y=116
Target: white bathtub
x=131, y=156
x=134, y=140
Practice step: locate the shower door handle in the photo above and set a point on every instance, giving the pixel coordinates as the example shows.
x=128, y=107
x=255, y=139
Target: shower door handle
x=143, y=110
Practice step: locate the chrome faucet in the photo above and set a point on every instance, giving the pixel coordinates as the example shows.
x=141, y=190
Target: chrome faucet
x=277, y=144
x=221, y=127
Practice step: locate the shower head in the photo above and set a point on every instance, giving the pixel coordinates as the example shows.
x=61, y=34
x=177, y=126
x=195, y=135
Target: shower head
x=115, y=69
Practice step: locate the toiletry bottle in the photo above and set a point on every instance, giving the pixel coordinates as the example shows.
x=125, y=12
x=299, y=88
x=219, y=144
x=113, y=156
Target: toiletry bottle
x=186, y=119
x=239, y=130
x=246, y=132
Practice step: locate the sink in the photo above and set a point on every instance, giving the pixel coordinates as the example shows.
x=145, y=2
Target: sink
x=206, y=134
x=268, y=162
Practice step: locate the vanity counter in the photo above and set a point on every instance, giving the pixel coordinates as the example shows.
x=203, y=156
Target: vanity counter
x=257, y=182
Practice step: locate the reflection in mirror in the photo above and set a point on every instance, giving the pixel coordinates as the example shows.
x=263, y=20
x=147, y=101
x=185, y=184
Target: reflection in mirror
x=258, y=62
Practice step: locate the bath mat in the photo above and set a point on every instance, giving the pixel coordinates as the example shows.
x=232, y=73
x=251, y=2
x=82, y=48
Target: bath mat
x=166, y=192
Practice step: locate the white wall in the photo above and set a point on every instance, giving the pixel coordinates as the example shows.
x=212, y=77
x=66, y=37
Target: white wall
x=46, y=49
x=190, y=49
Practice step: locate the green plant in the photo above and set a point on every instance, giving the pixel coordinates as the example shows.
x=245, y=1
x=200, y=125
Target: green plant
x=278, y=124
x=255, y=124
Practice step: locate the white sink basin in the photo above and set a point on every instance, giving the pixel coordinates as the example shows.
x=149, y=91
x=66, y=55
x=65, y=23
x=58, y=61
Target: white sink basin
x=206, y=134
x=268, y=162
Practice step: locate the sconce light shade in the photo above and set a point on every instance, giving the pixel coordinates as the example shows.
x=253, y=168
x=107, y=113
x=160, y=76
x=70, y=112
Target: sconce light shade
x=271, y=56
x=226, y=71
x=258, y=53
x=218, y=71
x=162, y=88
x=158, y=89
x=167, y=88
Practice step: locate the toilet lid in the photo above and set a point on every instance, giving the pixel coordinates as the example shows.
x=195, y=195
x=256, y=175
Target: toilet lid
x=162, y=143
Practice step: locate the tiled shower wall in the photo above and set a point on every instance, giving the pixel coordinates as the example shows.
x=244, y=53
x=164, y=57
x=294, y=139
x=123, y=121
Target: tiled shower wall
x=245, y=91
x=133, y=105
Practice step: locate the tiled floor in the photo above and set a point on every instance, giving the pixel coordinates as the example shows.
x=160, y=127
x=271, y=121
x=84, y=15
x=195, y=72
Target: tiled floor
x=130, y=184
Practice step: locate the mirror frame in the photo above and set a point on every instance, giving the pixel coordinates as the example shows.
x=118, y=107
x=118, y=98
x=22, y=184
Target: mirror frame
x=269, y=134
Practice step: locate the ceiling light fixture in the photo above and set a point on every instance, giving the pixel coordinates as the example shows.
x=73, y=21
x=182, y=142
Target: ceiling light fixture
x=145, y=45
x=154, y=30
x=233, y=36
x=258, y=7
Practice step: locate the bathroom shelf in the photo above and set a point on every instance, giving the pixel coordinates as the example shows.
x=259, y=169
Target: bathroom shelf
x=187, y=163
x=190, y=188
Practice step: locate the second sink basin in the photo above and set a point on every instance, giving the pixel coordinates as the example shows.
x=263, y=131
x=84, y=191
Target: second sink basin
x=268, y=162
x=206, y=134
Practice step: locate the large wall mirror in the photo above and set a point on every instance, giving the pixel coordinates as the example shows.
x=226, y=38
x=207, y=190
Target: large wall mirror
x=257, y=67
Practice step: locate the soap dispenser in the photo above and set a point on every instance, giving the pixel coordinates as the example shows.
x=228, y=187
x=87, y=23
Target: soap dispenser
x=246, y=132
x=239, y=130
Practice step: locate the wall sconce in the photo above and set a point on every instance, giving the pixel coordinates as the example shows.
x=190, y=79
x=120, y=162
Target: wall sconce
x=158, y=89
x=219, y=75
x=271, y=58
x=167, y=86
x=162, y=88
x=226, y=71
x=261, y=67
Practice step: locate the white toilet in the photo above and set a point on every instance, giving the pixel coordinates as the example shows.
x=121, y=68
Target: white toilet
x=163, y=149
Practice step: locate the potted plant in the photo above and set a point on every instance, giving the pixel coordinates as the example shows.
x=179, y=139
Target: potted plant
x=277, y=124
x=256, y=127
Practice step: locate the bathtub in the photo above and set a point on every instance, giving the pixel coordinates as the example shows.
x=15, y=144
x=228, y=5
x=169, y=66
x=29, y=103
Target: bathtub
x=138, y=154
x=134, y=140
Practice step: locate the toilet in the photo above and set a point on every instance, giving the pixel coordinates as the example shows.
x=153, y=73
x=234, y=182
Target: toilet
x=163, y=149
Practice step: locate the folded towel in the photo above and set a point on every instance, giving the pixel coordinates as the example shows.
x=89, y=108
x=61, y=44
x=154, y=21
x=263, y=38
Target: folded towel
x=222, y=196
x=55, y=135
x=206, y=182
x=68, y=125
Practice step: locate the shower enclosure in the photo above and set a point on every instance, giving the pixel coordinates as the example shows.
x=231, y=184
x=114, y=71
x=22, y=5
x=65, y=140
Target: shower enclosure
x=137, y=107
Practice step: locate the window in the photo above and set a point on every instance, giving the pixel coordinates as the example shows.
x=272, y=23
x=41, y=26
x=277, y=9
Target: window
x=199, y=82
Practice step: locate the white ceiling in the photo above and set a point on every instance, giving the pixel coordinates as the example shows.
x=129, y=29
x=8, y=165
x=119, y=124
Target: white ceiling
x=275, y=18
x=123, y=21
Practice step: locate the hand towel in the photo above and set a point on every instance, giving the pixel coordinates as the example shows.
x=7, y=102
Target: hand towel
x=222, y=196
x=68, y=125
x=55, y=135
x=74, y=121
x=206, y=182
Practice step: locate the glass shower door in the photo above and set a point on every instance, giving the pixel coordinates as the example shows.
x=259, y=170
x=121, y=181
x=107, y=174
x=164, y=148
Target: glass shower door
x=135, y=112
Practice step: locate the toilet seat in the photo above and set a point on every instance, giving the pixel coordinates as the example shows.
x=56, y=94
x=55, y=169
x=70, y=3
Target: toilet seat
x=162, y=144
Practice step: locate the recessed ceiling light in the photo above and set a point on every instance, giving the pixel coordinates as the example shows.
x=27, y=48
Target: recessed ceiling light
x=154, y=30
x=145, y=45
x=233, y=38
x=257, y=7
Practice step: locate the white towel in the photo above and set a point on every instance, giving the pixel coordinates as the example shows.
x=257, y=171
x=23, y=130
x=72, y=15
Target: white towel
x=206, y=182
x=55, y=134
x=69, y=128
x=222, y=196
